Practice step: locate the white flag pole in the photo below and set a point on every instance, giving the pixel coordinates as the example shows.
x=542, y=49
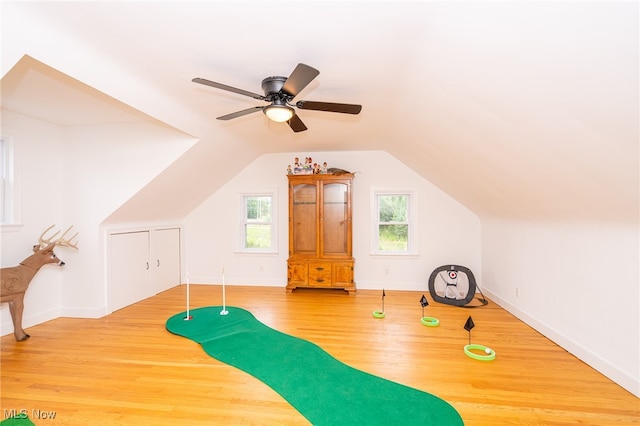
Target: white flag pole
x=224, y=298
x=188, y=317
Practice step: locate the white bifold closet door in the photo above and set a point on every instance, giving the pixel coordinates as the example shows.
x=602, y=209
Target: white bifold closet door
x=142, y=264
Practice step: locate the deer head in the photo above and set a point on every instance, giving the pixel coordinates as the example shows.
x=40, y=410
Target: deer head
x=43, y=253
x=42, y=256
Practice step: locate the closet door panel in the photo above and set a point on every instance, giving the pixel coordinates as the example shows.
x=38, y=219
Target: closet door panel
x=165, y=259
x=128, y=269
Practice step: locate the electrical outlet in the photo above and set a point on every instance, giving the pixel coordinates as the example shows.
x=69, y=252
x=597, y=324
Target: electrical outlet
x=517, y=291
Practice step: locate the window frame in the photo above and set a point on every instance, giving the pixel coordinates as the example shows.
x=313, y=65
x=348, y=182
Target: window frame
x=244, y=221
x=9, y=197
x=412, y=221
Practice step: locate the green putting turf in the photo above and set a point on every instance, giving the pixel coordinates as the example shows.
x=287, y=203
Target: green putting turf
x=17, y=420
x=322, y=388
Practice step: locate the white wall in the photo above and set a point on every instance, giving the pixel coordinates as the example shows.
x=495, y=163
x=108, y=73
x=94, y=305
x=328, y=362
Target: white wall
x=104, y=167
x=37, y=167
x=448, y=232
x=77, y=176
x=575, y=283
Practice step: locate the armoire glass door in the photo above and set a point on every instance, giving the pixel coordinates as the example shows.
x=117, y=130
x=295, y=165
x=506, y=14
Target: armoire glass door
x=304, y=218
x=335, y=217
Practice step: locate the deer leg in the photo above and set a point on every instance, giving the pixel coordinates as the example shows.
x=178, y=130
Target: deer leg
x=16, y=308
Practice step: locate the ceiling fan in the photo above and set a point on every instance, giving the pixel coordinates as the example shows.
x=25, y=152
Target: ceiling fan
x=279, y=92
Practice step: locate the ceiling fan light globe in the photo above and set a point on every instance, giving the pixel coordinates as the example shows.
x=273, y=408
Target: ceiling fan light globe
x=278, y=113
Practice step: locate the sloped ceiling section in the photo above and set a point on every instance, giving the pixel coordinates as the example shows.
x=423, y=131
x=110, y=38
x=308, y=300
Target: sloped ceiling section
x=524, y=110
x=42, y=92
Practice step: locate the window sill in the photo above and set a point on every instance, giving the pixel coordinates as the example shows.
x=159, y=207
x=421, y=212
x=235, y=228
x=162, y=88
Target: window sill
x=387, y=255
x=269, y=252
x=10, y=227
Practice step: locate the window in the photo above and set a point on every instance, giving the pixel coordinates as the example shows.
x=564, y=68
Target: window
x=7, y=184
x=394, y=226
x=258, y=228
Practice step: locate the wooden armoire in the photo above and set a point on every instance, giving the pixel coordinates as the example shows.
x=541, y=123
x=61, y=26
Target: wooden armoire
x=320, y=248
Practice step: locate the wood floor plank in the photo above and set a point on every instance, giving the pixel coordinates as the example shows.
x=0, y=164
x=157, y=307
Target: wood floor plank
x=126, y=369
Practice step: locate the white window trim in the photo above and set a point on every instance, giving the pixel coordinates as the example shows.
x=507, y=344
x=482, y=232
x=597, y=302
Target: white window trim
x=412, y=249
x=11, y=202
x=274, y=222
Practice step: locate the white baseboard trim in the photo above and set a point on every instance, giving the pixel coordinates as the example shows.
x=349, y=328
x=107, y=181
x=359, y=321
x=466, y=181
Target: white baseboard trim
x=598, y=363
x=6, y=327
x=29, y=320
x=84, y=312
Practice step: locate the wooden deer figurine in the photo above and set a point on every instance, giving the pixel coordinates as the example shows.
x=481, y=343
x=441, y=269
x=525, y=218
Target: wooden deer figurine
x=15, y=280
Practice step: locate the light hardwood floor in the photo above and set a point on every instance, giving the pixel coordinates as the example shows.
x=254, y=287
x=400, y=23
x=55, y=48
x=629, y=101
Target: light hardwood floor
x=126, y=369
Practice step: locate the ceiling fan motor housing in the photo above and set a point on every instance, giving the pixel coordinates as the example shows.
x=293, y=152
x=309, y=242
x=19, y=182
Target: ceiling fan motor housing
x=273, y=85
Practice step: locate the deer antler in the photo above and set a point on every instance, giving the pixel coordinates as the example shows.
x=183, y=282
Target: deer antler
x=61, y=241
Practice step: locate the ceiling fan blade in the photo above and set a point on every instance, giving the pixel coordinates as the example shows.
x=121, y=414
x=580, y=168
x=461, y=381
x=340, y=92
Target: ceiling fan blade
x=330, y=106
x=300, y=77
x=296, y=124
x=240, y=113
x=228, y=88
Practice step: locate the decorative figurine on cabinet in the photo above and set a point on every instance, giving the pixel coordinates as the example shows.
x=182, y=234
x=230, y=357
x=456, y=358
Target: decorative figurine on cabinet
x=308, y=167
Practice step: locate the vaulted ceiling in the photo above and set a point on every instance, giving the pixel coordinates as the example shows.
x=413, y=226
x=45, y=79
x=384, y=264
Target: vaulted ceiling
x=525, y=110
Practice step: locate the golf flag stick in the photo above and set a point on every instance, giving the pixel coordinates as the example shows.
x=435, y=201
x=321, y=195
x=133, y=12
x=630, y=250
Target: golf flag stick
x=188, y=317
x=424, y=302
x=468, y=326
x=224, y=297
